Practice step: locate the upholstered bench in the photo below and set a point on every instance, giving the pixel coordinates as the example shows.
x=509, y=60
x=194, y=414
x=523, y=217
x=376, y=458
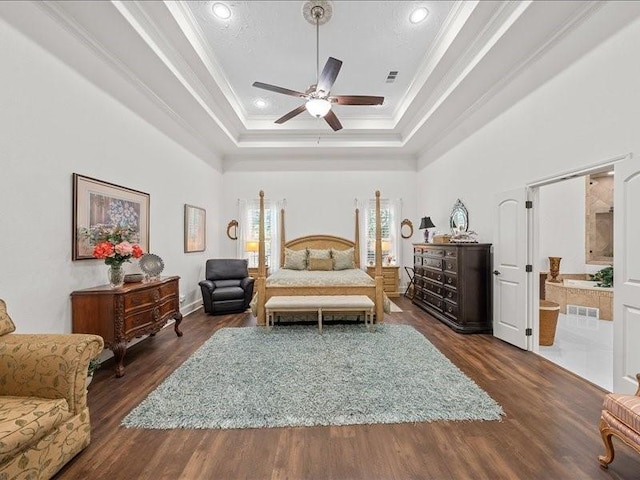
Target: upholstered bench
x=620, y=417
x=320, y=304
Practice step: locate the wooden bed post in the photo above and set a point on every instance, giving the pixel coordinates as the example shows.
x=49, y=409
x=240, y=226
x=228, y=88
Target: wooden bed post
x=356, y=247
x=261, y=280
x=282, y=239
x=378, y=262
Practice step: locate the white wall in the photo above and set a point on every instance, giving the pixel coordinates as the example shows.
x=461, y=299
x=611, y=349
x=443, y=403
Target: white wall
x=322, y=202
x=586, y=114
x=54, y=123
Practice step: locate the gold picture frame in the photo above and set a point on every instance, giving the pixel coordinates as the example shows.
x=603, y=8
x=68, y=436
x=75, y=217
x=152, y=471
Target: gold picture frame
x=195, y=227
x=98, y=202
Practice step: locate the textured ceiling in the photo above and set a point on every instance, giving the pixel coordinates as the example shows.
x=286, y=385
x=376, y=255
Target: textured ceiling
x=271, y=42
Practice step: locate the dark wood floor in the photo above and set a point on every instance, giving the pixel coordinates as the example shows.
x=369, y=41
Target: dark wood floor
x=549, y=432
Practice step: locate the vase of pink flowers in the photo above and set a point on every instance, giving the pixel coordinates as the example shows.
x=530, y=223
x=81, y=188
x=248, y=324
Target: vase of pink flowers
x=115, y=244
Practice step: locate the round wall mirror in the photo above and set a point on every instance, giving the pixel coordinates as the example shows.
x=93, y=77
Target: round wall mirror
x=406, y=228
x=232, y=230
x=459, y=219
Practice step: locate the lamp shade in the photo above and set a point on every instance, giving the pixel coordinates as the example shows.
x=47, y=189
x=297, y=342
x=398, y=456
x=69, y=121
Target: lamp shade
x=426, y=223
x=251, y=246
x=318, y=107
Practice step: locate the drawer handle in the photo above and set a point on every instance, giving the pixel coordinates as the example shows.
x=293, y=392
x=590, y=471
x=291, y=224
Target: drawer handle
x=156, y=313
x=450, y=280
x=449, y=309
x=449, y=266
x=439, y=277
x=450, y=295
x=156, y=296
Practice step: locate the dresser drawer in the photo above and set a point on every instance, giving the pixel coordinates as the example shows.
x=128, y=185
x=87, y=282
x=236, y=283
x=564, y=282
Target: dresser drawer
x=433, y=301
x=450, y=253
x=451, y=280
x=450, y=310
x=434, y=252
x=142, y=298
x=434, y=288
x=433, y=275
x=450, y=295
x=451, y=264
x=432, y=263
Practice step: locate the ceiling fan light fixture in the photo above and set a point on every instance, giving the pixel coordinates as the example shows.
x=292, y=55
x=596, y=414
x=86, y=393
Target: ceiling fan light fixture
x=220, y=10
x=318, y=107
x=418, y=15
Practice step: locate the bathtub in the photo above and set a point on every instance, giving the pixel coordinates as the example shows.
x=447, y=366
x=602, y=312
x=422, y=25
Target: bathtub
x=583, y=293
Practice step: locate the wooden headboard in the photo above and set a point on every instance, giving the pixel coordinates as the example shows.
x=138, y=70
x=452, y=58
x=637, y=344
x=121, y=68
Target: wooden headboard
x=322, y=242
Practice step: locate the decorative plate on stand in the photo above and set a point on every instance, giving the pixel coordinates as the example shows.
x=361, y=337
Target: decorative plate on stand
x=151, y=264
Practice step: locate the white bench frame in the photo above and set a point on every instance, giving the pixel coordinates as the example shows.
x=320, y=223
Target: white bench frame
x=320, y=304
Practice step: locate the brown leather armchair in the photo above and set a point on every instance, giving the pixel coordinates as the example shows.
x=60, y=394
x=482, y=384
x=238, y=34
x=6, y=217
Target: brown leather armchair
x=620, y=417
x=228, y=286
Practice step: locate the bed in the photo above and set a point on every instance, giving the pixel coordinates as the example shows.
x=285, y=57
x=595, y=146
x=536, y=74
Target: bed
x=353, y=281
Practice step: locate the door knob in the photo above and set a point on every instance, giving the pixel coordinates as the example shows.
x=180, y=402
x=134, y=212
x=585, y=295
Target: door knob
x=496, y=273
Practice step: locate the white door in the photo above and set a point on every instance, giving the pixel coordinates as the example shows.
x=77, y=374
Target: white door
x=626, y=281
x=509, y=262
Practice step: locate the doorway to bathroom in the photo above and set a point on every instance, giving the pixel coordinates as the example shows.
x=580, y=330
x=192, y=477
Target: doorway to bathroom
x=574, y=258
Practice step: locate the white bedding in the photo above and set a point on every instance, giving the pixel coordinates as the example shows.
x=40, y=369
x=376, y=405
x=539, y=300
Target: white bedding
x=319, y=278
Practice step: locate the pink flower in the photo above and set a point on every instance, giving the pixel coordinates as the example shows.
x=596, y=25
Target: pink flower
x=124, y=249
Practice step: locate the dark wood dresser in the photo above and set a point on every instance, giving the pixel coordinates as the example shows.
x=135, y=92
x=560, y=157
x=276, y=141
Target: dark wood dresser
x=120, y=314
x=453, y=284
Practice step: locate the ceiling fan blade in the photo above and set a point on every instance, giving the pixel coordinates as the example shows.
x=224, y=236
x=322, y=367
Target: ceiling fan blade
x=291, y=114
x=356, y=100
x=273, y=88
x=333, y=121
x=328, y=75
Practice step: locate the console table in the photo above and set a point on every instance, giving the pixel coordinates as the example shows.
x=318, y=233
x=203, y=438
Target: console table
x=119, y=315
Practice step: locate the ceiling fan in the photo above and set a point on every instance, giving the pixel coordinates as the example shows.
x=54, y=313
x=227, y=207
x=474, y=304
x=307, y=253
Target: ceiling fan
x=319, y=100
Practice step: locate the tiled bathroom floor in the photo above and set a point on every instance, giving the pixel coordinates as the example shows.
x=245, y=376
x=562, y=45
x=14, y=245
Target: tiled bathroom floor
x=585, y=347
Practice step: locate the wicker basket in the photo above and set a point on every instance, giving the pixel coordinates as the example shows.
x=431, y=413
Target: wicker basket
x=549, y=312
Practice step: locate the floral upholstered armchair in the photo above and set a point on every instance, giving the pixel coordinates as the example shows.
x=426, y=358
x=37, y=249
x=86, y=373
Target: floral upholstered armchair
x=44, y=419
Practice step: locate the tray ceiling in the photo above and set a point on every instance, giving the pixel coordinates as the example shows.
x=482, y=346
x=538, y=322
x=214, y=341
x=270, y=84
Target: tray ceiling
x=190, y=74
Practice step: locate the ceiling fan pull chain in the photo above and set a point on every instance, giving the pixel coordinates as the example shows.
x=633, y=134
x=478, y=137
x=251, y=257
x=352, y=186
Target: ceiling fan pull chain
x=317, y=49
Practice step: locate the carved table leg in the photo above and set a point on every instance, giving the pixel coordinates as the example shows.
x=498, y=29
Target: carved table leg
x=176, y=326
x=119, y=350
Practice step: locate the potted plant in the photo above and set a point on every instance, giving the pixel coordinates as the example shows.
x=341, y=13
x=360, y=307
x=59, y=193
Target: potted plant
x=94, y=364
x=604, y=277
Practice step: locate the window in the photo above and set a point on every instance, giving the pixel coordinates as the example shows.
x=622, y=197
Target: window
x=249, y=228
x=389, y=214
x=251, y=243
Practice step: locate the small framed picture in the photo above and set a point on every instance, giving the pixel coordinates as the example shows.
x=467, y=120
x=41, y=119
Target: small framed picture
x=97, y=203
x=195, y=226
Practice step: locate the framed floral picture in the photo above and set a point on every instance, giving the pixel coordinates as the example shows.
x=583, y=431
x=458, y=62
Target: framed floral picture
x=195, y=224
x=102, y=205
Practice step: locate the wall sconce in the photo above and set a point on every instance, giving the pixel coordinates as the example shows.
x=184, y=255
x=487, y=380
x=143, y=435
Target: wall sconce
x=426, y=224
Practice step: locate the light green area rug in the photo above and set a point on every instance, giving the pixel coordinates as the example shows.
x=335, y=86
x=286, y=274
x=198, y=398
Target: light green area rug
x=294, y=376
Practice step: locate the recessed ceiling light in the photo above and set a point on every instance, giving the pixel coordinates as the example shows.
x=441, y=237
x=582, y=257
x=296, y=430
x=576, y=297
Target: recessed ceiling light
x=418, y=15
x=221, y=11
x=260, y=103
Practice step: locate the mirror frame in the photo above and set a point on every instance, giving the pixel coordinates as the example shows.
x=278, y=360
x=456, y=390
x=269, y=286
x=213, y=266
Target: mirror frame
x=232, y=224
x=458, y=208
x=406, y=222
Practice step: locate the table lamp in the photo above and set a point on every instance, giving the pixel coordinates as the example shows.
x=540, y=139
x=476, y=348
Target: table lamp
x=252, y=246
x=426, y=224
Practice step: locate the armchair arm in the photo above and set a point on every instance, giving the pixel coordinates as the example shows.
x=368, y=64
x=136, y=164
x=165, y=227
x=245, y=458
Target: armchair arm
x=48, y=366
x=245, y=282
x=208, y=284
x=638, y=378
